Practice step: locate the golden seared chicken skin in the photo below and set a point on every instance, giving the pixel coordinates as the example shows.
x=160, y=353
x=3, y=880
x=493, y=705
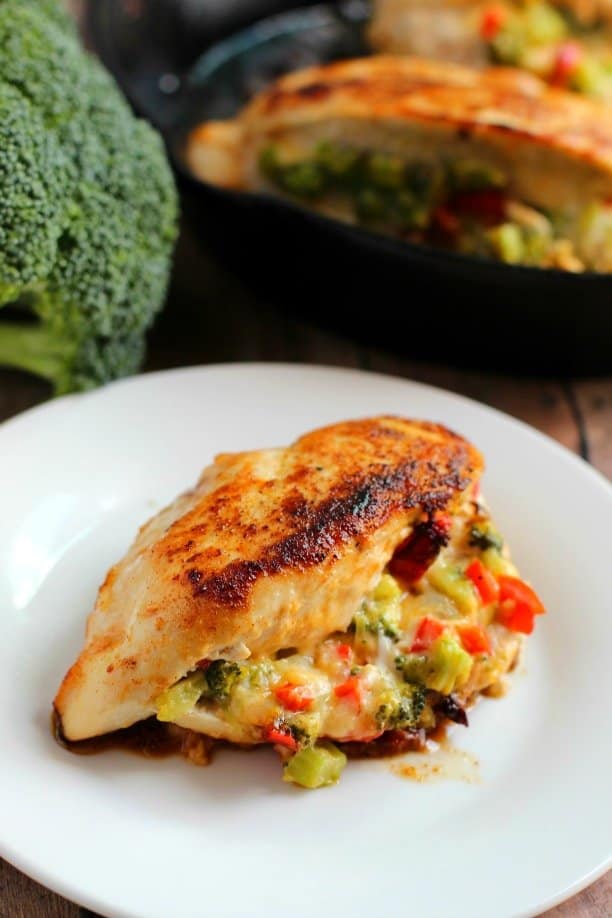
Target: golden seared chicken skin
x=493, y=163
x=349, y=588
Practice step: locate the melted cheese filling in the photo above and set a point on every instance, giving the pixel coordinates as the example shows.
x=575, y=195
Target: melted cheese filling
x=359, y=683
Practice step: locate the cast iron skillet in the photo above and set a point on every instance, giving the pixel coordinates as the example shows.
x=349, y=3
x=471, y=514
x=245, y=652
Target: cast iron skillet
x=423, y=302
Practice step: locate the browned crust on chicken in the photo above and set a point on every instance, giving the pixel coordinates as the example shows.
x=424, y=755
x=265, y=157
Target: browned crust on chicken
x=494, y=100
x=495, y=104
x=300, y=531
x=272, y=549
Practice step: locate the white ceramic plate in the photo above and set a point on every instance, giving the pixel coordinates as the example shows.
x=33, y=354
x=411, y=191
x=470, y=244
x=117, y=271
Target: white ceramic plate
x=128, y=836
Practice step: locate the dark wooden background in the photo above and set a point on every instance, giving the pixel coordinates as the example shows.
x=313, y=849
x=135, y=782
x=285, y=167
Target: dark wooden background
x=212, y=317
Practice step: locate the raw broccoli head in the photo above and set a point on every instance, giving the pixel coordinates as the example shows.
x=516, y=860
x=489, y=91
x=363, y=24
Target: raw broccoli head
x=88, y=207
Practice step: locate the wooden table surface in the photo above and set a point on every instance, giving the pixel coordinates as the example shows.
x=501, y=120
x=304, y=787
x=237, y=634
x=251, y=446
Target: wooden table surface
x=217, y=319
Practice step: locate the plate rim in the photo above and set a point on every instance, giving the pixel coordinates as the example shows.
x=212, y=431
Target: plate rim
x=62, y=401
x=71, y=891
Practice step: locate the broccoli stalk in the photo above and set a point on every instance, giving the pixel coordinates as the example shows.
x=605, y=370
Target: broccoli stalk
x=35, y=349
x=88, y=207
x=64, y=361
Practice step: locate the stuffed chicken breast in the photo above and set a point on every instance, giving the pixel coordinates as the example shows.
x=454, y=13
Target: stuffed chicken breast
x=566, y=42
x=493, y=163
x=348, y=592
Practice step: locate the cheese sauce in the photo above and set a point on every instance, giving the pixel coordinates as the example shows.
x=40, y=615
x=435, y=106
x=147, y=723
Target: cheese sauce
x=413, y=643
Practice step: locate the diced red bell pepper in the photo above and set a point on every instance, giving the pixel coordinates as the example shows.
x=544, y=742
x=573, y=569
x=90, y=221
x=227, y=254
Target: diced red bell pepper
x=351, y=691
x=428, y=631
x=567, y=60
x=445, y=222
x=486, y=205
x=474, y=639
x=518, y=605
x=493, y=19
x=294, y=697
x=483, y=580
x=280, y=737
x=418, y=552
x=344, y=651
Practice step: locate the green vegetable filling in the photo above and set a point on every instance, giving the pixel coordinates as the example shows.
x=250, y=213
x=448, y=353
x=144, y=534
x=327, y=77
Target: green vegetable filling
x=383, y=188
x=450, y=580
x=531, y=35
x=460, y=204
x=380, y=614
x=483, y=536
x=444, y=668
x=211, y=684
x=403, y=711
x=220, y=676
x=315, y=766
x=181, y=698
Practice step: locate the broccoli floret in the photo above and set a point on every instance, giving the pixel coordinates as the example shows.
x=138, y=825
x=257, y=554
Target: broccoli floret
x=220, y=677
x=181, y=698
x=404, y=711
x=56, y=11
x=445, y=667
x=380, y=614
x=315, y=766
x=88, y=208
x=484, y=537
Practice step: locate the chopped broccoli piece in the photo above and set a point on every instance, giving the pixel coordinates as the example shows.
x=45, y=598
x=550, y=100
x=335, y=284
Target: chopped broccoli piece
x=444, y=668
x=304, y=728
x=484, y=537
x=370, y=204
x=410, y=211
x=472, y=175
x=269, y=163
x=339, y=162
x=507, y=243
x=381, y=613
x=304, y=180
x=387, y=590
x=386, y=171
x=414, y=667
x=450, y=580
x=497, y=564
x=220, y=677
x=425, y=180
x=315, y=766
x=181, y=698
x=544, y=24
x=88, y=208
x=590, y=77
x=371, y=621
x=402, y=711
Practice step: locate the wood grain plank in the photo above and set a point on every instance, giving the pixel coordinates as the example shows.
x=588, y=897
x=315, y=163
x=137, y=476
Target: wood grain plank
x=594, y=401
x=593, y=902
x=21, y=897
x=540, y=402
x=19, y=391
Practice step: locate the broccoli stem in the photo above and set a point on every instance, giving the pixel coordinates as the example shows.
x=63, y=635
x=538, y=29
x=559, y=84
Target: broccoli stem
x=32, y=348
